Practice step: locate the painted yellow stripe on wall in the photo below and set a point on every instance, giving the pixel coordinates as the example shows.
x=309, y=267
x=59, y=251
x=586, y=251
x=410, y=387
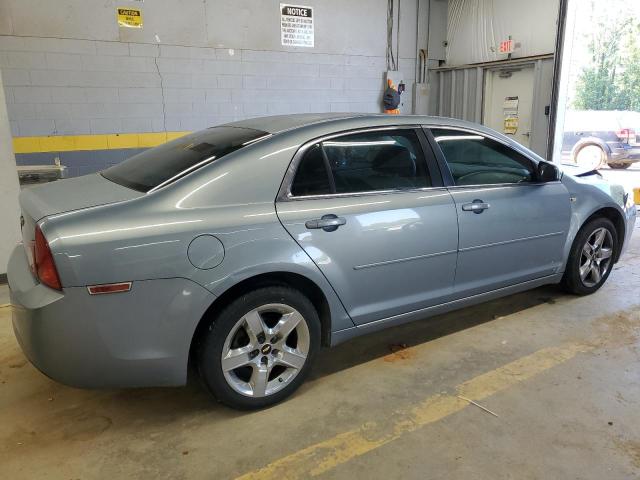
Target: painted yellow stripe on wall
x=68, y=143
x=328, y=454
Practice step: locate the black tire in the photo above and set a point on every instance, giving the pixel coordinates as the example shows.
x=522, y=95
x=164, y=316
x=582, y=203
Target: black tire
x=571, y=280
x=211, y=345
x=619, y=166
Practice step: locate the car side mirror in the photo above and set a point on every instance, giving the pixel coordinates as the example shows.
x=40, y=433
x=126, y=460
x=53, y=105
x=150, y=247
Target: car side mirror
x=548, y=172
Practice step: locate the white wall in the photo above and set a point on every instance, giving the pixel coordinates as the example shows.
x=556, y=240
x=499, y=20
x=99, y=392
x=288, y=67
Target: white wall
x=69, y=70
x=354, y=27
x=476, y=28
x=9, y=210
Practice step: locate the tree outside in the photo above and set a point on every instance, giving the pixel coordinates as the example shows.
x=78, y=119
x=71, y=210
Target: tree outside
x=610, y=77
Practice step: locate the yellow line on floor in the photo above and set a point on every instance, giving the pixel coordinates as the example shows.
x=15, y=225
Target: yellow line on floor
x=328, y=454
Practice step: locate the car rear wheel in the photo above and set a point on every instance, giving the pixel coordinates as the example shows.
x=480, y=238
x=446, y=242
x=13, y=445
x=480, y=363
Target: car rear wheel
x=591, y=259
x=590, y=156
x=260, y=348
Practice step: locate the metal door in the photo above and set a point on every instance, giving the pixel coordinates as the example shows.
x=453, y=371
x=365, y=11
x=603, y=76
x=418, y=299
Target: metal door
x=508, y=101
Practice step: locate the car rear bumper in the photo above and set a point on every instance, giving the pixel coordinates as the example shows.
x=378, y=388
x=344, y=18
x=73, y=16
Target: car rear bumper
x=633, y=155
x=618, y=154
x=134, y=339
x=627, y=154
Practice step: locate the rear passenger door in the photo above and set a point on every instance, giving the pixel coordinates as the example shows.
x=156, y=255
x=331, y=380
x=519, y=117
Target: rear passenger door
x=372, y=213
x=512, y=227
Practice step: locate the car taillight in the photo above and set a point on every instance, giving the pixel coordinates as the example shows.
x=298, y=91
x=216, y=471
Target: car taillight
x=626, y=134
x=43, y=265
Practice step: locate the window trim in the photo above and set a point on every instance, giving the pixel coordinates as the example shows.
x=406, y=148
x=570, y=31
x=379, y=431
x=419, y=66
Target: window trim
x=446, y=171
x=285, y=195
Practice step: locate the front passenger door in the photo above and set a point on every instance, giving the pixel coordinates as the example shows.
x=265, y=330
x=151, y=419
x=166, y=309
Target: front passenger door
x=512, y=227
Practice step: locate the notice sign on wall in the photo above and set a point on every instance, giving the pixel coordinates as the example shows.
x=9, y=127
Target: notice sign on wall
x=296, y=24
x=129, y=17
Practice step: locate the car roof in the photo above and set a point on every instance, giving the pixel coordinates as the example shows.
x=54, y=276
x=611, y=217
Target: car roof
x=281, y=123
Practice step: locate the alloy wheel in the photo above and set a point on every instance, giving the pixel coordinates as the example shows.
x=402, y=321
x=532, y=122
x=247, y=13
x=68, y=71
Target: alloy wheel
x=596, y=256
x=265, y=350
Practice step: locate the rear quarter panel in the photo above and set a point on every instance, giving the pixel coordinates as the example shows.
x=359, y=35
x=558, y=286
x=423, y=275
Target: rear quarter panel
x=148, y=237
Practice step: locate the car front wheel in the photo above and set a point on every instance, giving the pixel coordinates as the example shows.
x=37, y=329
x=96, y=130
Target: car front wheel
x=591, y=259
x=260, y=348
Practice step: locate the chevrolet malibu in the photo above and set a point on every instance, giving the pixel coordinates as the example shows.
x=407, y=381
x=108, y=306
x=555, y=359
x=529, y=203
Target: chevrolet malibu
x=243, y=248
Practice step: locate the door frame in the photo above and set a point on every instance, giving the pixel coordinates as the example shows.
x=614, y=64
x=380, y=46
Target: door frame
x=447, y=177
x=429, y=154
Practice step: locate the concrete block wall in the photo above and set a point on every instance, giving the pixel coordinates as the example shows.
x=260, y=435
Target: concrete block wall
x=216, y=70
x=167, y=87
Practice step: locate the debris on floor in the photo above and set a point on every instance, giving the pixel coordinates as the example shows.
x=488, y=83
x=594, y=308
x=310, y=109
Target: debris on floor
x=477, y=405
x=399, y=351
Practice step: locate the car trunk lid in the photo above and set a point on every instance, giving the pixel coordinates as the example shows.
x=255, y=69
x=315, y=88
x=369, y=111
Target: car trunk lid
x=64, y=196
x=72, y=194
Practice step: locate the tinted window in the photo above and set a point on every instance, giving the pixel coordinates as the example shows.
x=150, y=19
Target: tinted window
x=152, y=167
x=383, y=160
x=311, y=177
x=477, y=160
x=371, y=161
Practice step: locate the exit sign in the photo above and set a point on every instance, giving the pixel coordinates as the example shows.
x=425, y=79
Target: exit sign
x=506, y=46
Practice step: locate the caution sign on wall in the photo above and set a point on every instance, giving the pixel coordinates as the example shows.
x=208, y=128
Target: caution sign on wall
x=510, y=124
x=296, y=25
x=129, y=17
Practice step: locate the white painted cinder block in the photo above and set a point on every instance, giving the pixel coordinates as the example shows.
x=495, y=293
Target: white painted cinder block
x=30, y=94
x=112, y=48
x=143, y=50
x=15, y=77
x=36, y=127
x=110, y=80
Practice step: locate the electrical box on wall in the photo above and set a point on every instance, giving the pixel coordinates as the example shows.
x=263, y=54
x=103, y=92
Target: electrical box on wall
x=397, y=79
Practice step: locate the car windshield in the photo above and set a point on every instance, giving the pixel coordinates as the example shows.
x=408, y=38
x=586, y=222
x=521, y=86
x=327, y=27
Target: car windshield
x=161, y=164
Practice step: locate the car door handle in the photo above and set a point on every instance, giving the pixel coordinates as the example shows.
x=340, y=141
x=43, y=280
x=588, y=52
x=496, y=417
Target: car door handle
x=477, y=206
x=329, y=223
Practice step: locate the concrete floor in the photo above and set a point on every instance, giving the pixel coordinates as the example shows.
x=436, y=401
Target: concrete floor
x=561, y=373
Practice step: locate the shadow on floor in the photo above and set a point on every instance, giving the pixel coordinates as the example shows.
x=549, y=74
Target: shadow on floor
x=378, y=344
x=158, y=406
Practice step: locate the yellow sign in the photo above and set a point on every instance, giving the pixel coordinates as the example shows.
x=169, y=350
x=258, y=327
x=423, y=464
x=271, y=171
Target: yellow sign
x=510, y=124
x=129, y=17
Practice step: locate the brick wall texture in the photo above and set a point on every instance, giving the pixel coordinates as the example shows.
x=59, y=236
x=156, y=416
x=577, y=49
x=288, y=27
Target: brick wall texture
x=73, y=87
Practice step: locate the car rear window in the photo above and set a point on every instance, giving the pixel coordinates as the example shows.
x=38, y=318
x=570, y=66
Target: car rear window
x=161, y=164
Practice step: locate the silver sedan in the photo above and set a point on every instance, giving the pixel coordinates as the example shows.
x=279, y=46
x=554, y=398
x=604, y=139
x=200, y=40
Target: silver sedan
x=243, y=248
